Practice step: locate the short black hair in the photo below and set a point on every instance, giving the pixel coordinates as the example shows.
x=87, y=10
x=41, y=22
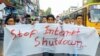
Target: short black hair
x=50, y=16
x=44, y=17
x=66, y=18
x=27, y=16
x=17, y=20
x=40, y=21
x=79, y=15
x=10, y=16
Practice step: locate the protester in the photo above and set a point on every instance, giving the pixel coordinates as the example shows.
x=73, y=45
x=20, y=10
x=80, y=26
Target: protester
x=27, y=19
x=43, y=19
x=10, y=20
x=79, y=20
x=66, y=20
x=51, y=19
x=58, y=19
x=33, y=20
x=18, y=20
x=72, y=21
x=36, y=19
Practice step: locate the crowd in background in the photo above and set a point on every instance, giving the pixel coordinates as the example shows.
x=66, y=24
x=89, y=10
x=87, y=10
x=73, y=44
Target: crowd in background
x=11, y=19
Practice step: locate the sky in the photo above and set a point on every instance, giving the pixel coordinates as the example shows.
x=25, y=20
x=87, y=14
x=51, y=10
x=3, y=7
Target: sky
x=58, y=6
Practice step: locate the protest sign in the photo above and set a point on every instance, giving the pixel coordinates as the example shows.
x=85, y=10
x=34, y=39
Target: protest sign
x=24, y=40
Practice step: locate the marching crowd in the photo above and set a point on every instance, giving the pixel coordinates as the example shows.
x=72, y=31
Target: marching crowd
x=11, y=19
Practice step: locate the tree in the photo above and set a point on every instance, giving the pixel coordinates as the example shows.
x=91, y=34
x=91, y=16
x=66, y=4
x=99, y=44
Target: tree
x=44, y=13
x=48, y=11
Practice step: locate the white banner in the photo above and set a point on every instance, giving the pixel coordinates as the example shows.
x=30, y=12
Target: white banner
x=24, y=40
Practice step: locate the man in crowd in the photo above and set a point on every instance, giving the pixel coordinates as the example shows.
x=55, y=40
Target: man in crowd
x=51, y=19
x=66, y=20
x=79, y=20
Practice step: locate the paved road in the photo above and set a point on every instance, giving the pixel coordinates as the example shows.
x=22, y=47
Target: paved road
x=98, y=50
x=1, y=47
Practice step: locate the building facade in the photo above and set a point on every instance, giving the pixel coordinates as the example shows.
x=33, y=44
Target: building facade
x=22, y=6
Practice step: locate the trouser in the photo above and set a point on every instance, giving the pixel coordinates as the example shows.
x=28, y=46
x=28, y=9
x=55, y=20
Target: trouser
x=48, y=54
x=51, y=54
